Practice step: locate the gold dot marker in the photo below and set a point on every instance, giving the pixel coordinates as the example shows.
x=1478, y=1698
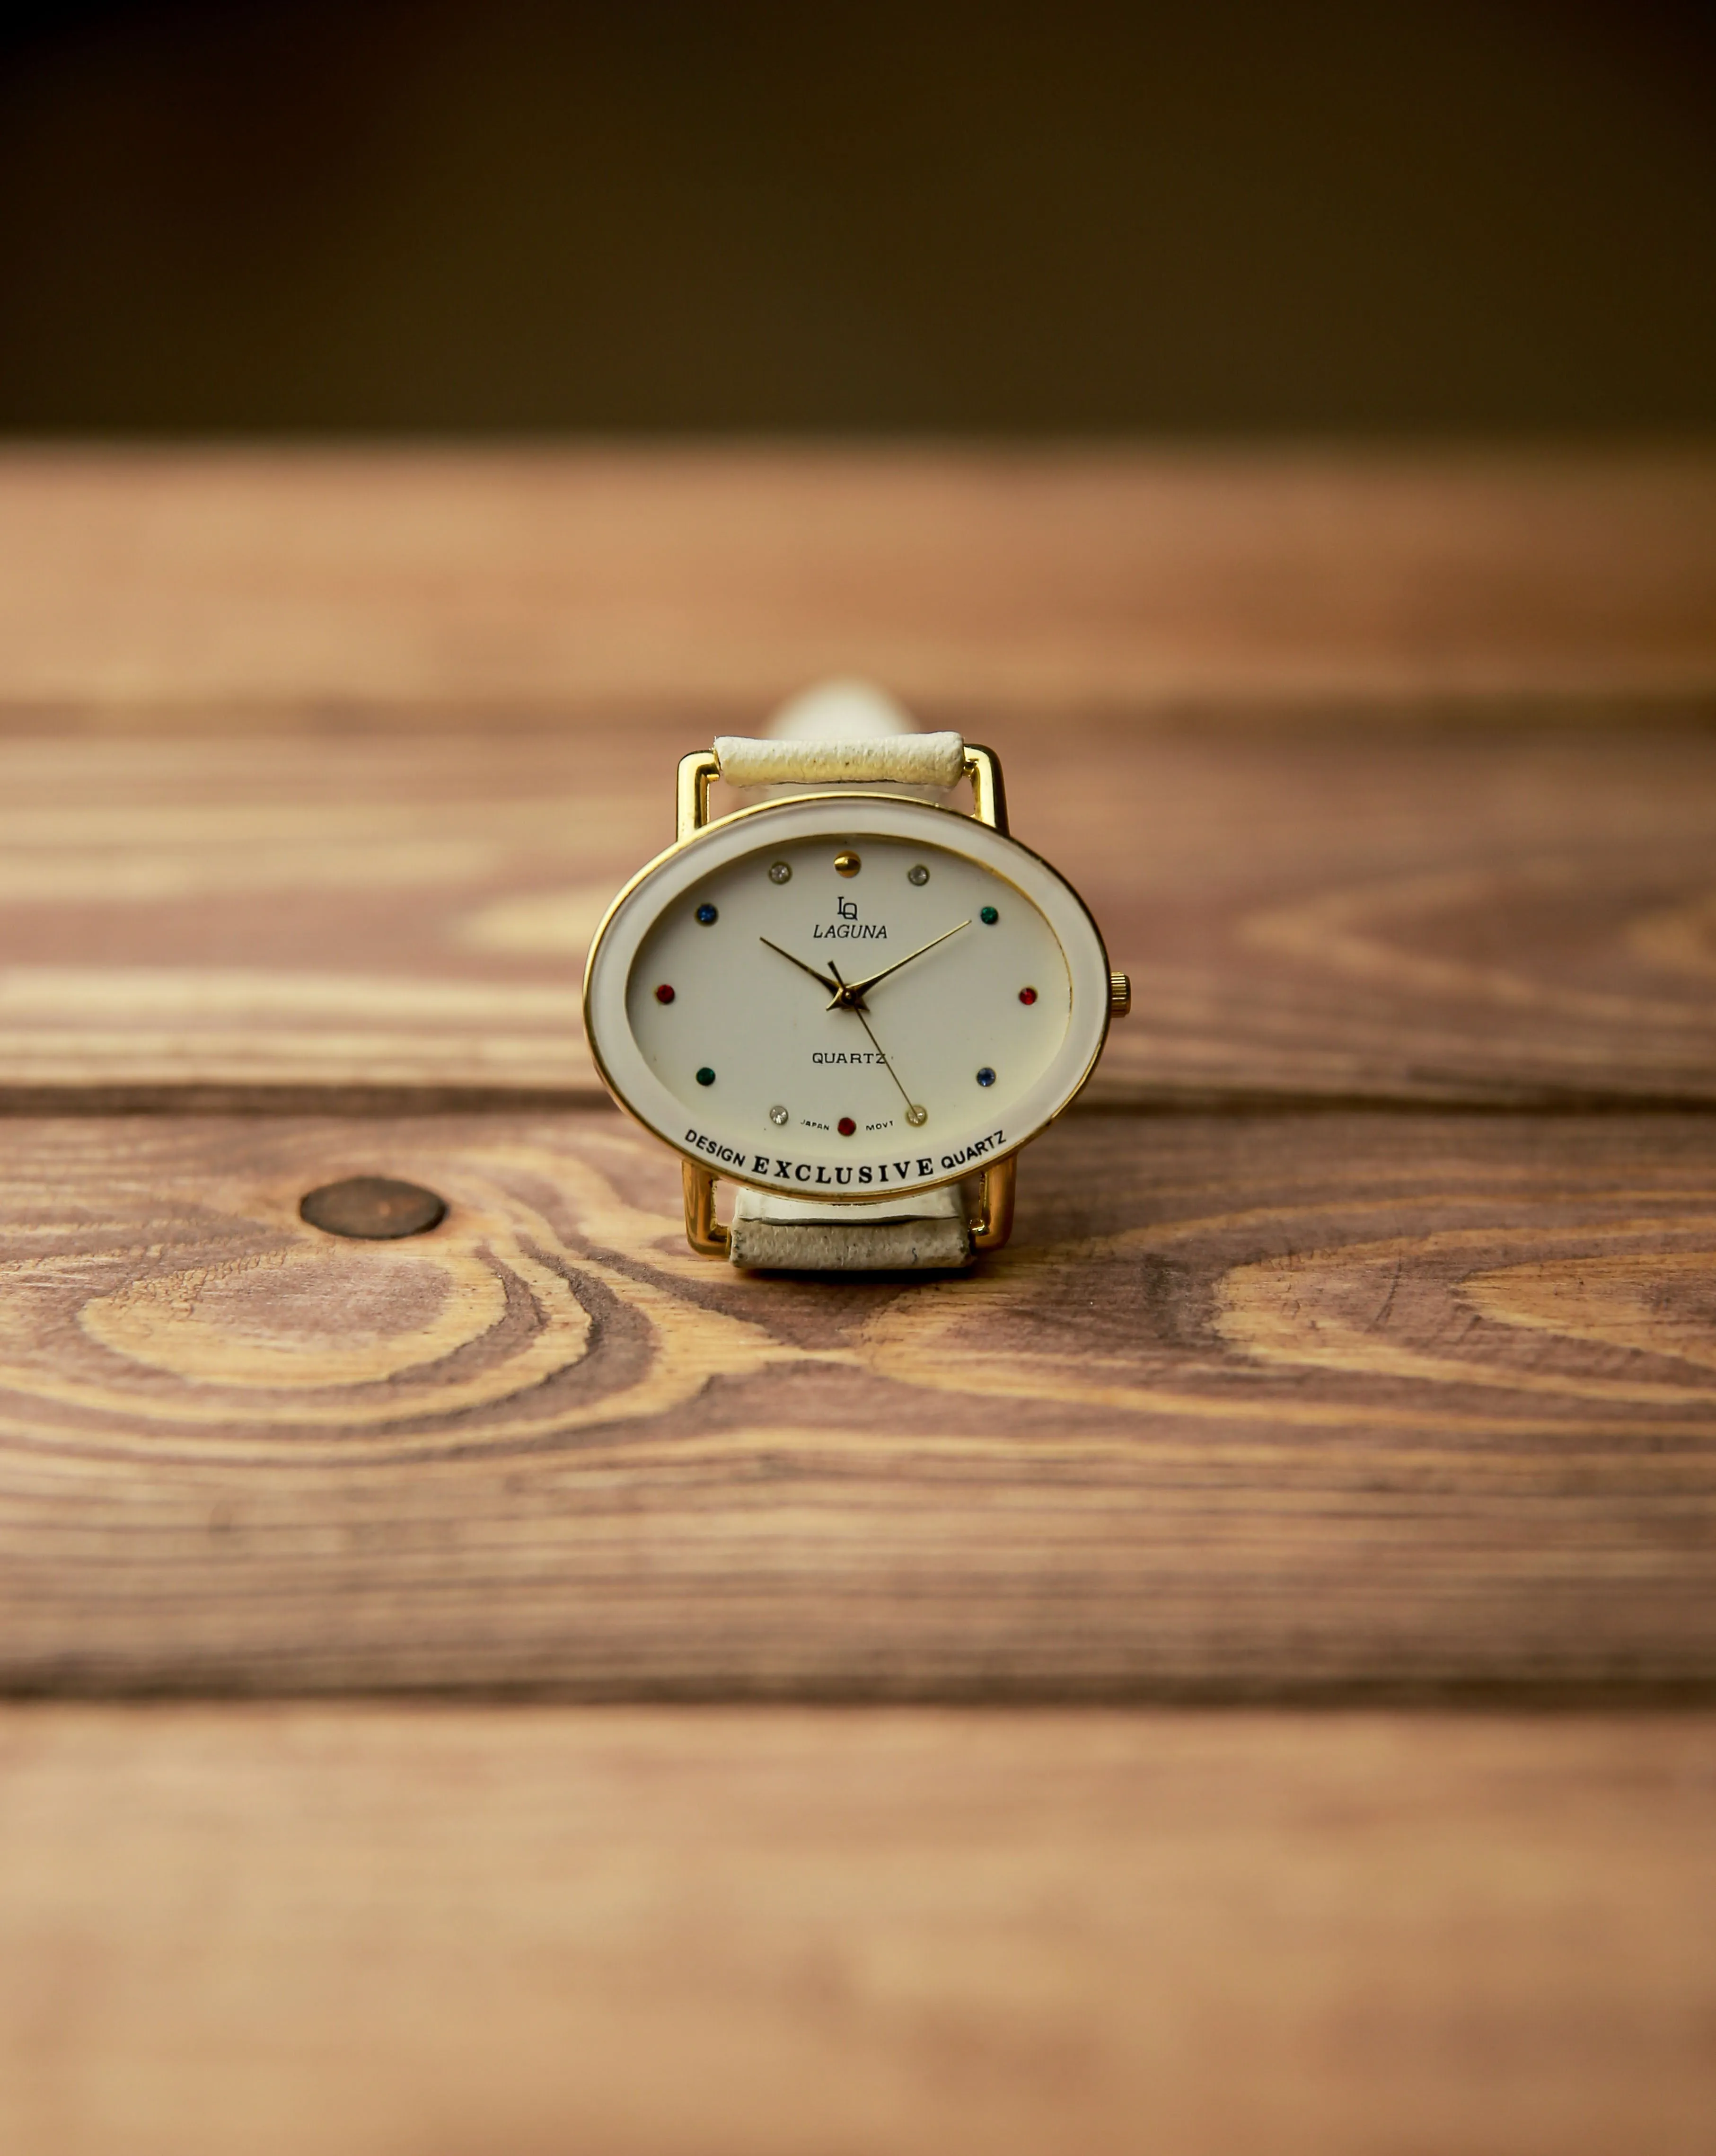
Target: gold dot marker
x=846, y=865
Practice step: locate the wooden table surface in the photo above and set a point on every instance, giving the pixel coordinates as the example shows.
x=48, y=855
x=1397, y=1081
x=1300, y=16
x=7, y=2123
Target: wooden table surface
x=1237, y=1670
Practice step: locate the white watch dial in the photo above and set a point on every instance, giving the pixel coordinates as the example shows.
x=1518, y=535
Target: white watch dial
x=841, y=1005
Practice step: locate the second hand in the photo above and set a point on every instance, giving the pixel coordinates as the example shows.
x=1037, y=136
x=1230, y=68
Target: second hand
x=915, y=1115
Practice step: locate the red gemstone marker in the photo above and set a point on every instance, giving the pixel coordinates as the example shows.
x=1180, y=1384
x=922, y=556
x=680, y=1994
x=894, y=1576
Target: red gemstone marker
x=665, y=995
x=846, y=1126
x=1026, y=995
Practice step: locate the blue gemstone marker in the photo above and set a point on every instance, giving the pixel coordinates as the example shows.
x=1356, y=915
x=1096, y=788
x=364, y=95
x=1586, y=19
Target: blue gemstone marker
x=707, y=1077
x=986, y=1076
x=989, y=916
x=706, y=913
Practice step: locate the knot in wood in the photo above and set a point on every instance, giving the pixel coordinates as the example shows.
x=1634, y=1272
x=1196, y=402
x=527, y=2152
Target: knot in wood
x=373, y=1208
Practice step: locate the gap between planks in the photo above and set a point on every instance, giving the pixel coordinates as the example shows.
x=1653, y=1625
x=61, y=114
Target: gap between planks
x=406, y=1101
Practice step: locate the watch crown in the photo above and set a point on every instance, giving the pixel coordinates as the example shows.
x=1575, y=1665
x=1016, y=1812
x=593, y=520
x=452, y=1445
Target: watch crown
x=1119, y=993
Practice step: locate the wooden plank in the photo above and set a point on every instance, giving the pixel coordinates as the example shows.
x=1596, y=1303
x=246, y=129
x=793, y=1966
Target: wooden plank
x=309, y=913
x=368, y=1930
x=1306, y=1406
x=1106, y=576
x=1502, y=914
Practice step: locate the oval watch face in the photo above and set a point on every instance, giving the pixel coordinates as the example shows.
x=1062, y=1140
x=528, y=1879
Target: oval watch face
x=839, y=997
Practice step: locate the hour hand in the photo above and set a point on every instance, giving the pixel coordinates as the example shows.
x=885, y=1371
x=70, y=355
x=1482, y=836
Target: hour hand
x=831, y=986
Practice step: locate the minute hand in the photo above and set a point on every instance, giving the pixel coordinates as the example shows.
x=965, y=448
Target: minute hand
x=852, y=993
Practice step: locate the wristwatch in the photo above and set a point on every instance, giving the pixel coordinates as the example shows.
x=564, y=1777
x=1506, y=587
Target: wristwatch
x=853, y=1003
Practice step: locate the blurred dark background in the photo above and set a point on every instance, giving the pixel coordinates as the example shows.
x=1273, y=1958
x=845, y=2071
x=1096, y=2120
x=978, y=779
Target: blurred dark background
x=1432, y=221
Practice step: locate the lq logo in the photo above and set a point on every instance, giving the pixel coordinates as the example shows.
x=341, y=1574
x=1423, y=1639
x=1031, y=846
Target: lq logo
x=849, y=927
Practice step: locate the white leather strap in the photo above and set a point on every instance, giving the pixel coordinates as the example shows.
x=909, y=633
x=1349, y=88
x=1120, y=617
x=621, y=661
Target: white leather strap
x=931, y=1232
x=899, y=759
x=847, y=733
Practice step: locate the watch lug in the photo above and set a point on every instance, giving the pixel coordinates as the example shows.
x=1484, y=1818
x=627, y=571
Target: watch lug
x=988, y=793
x=703, y=1231
x=697, y=773
x=994, y=1223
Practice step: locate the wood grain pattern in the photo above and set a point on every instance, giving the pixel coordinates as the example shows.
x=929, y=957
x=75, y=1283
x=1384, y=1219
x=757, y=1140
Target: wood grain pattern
x=1291, y=1406
x=1106, y=575
x=374, y=1930
x=1391, y=780
x=1504, y=914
